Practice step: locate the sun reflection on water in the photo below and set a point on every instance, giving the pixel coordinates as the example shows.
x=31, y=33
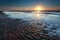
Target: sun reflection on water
x=37, y=16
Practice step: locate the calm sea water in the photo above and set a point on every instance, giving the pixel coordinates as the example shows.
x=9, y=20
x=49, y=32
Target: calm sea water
x=51, y=20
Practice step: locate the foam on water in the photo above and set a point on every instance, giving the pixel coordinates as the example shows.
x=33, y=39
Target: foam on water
x=51, y=20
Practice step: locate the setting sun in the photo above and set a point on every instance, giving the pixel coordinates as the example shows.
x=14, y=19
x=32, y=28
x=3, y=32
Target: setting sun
x=38, y=9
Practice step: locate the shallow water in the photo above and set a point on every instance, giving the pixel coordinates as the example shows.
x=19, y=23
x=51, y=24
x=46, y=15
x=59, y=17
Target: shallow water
x=51, y=20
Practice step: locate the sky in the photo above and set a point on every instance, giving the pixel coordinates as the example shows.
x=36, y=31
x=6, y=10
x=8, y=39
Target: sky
x=29, y=4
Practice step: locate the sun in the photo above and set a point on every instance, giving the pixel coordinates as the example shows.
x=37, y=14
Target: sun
x=38, y=9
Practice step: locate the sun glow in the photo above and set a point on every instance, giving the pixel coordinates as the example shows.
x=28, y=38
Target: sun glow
x=38, y=9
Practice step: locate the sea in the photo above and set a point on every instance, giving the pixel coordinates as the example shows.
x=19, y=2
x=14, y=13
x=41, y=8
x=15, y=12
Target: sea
x=50, y=19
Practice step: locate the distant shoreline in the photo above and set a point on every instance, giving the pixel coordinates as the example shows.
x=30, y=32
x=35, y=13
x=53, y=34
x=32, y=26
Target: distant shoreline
x=31, y=10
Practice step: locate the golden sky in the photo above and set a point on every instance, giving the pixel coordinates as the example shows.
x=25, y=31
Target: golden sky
x=29, y=4
x=31, y=8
